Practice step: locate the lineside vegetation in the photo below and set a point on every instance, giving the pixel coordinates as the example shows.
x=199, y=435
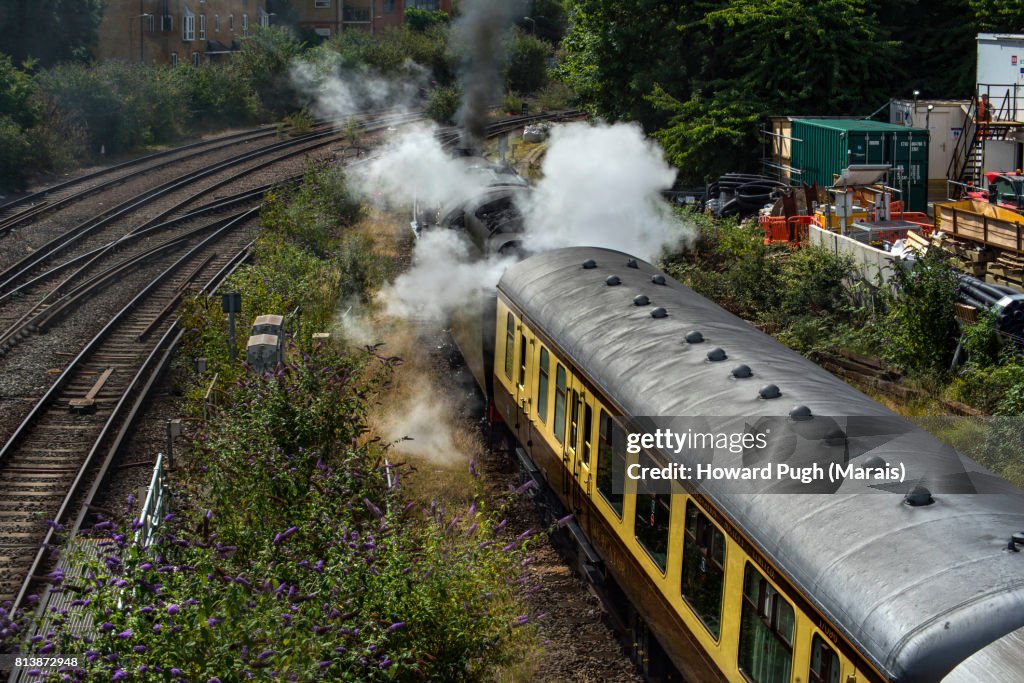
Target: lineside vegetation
x=293, y=551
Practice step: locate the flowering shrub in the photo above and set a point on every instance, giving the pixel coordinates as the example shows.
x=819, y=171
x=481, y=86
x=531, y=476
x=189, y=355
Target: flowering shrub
x=293, y=553
x=296, y=558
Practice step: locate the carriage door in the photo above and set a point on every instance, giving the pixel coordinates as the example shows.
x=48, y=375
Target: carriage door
x=523, y=400
x=584, y=453
x=571, y=445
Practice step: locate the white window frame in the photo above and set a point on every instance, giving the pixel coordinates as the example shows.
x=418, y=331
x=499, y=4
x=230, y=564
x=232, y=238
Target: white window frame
x=231, y=23
x=245, y=24
x=196, y=58
x=216, y=23
x=188, y=27
x=322, y=4
x=322, y=32
x=151, y=23
x=202, y=27
x=174, y=59
x=264, y=19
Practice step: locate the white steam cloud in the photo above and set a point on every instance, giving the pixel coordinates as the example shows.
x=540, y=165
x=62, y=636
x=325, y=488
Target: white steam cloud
x=442, y=279
x=415, y=167
x=334, y=90
x=601, y=187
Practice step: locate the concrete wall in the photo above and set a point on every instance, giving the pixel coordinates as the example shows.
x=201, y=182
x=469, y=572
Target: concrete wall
x=870, y=262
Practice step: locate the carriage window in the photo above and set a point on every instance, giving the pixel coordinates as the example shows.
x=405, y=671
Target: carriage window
x=559, y=425
x=588, y=423
x=824, y=662
x=522, y=360
x=510, y=344
x=703, y=568
x=652, y=515
x=574, y=420
x=542, y=385
x=607, y=456
x=766, y=631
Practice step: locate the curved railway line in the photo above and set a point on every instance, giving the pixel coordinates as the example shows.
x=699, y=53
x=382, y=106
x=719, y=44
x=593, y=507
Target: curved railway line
x=56, y=460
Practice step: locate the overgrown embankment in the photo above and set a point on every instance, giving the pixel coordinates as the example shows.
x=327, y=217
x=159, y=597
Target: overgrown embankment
x=291, y=553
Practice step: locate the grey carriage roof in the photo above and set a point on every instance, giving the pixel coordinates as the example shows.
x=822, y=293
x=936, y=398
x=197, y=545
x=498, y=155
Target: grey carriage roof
x=917, y=589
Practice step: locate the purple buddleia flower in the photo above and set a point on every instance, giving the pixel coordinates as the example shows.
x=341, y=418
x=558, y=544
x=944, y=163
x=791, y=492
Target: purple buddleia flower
x=520, y=620
x=501, y=525
x=173, y=609
x=472, y=529
x=125, y=635
x=213, y=621
x=264, y=655
x=525, y=487
x=563, y=521
x=396, y=626
x=139, y=648
x=119, y=674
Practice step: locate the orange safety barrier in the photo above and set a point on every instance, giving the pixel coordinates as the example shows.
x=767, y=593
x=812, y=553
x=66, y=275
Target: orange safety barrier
x=775, y=229
x=797, y=228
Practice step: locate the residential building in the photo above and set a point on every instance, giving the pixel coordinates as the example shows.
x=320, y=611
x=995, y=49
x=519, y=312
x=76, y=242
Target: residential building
x=176, y=31
x=328, y=17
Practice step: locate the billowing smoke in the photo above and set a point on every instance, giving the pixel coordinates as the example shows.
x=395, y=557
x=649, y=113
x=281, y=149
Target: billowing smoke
x=414, y=167
x=601, y=187
x=478, y=37
x=337, y=91
x=443, y=278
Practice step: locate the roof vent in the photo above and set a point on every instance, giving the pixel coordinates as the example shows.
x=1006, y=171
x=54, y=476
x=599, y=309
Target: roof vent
x=801, y=413
x=836, y=437
x=589, y=263
x=769, y=391
x=659, y=312
x=717, y=354
x=658, y=279
x=873, y=462
x=641, y=300
x=741, y=372
x=694, y=337
x=613, y=280
x=631, y=263
x=918, y=496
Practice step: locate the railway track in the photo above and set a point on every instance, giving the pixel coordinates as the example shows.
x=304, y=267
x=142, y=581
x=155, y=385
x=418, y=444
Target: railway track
x=48, y=459
x=99, y=224
x=30, y=207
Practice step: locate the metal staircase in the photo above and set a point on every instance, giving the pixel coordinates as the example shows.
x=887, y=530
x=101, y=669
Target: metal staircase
x=968, y=155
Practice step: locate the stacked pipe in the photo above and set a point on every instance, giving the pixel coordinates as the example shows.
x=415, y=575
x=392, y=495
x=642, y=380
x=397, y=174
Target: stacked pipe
x=1006, y=303
x=743, y=193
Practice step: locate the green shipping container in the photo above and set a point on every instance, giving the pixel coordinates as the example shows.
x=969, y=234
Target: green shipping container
x=822, y=148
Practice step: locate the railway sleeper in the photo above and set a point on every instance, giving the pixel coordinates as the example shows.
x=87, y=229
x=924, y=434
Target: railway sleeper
x=87, y=404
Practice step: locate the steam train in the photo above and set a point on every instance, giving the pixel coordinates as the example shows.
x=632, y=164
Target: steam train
x=708, y=584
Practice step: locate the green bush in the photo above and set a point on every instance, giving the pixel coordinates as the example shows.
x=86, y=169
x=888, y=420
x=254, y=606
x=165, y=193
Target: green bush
x=923, y=329
x=422, y=19
x=118, y=106
x=264, y=67
x=814, y=280
x=981, y=341
x=442, y=104
x=15, y=154
x=554, y=96
x=527, y=63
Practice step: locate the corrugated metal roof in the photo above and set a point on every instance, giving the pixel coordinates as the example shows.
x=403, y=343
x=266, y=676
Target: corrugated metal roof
x=858, y=125
x=918, y=589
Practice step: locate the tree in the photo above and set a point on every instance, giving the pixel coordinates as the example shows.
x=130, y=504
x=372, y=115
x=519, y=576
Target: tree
x=527, y=63
x=616, y=51
x=49, y=31
x=422, y=19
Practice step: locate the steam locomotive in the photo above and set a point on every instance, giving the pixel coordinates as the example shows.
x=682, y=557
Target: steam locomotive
x=708, y=584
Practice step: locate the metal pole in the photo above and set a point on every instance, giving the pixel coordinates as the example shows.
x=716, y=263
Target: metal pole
x=231, y=335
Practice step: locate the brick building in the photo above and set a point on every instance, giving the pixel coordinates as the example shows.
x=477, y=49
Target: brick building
x=171, y=31
x=328, y=17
